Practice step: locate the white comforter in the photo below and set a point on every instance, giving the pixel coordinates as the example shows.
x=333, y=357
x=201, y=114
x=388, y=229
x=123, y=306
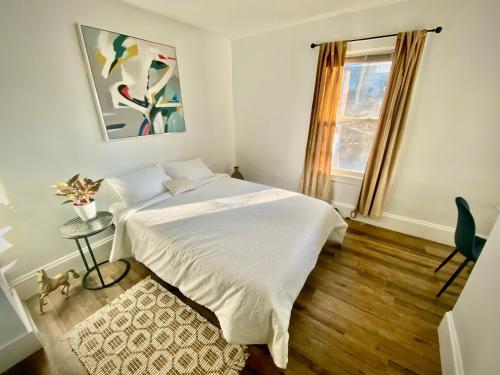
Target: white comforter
x=242, y=250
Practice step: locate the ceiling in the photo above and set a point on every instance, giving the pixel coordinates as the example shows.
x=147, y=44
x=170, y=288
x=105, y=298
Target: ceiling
x=239, y=18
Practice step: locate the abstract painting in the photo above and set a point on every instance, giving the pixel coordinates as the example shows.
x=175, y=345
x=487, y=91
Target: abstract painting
x=136, y=84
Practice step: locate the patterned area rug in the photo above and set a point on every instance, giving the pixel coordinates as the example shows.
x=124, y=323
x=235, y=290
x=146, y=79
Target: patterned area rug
x=147, y=330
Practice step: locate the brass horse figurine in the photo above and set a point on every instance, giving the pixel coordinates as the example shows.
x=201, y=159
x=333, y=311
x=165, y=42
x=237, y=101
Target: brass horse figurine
x=48, y=284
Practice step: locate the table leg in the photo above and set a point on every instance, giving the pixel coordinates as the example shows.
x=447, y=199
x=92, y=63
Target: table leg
x=95, y=262
x=81, y=253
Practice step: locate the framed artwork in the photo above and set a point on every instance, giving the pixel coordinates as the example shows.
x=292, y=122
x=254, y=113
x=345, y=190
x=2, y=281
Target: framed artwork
x=135, y=82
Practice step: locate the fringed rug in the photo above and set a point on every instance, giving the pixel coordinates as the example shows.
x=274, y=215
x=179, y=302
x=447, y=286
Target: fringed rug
x=147, y=330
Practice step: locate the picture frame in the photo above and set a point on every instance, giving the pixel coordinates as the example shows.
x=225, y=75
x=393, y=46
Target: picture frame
x=135, y=84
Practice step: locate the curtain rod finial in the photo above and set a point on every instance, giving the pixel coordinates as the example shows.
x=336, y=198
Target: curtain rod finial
x=438, y=29
x=314, y=45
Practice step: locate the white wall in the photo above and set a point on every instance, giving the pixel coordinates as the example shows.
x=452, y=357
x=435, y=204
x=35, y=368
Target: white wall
x=18, y=338
x=474, y=331
x=10, y=324
x=49, y=127
x=48, y=120
x=477, y=311
x=451, y=143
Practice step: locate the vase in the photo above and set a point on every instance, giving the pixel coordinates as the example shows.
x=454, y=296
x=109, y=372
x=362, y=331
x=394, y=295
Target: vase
x=237, y=174
x=87, y=211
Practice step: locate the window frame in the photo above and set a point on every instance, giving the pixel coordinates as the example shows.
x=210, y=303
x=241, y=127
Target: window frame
x=353, y=58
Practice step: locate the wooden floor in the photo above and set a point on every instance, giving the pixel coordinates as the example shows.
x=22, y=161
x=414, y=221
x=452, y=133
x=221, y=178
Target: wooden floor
x=367, y=308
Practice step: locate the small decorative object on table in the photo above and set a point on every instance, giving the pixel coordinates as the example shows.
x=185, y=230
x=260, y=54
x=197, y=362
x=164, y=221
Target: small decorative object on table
x=76, y=229
x=79, y=191
x=48, y=284
x=237, y=174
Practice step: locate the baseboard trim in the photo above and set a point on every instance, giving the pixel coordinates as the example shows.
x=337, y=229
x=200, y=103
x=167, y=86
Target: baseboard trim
x=18, y=349
x=449, y=347
x=26, y=285
x=414, y=227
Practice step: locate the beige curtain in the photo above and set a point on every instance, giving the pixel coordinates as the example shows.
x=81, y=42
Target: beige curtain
x=315, y=180
x=382, y=160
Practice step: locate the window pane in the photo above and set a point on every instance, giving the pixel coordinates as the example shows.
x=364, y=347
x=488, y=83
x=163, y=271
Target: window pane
x=363, y=89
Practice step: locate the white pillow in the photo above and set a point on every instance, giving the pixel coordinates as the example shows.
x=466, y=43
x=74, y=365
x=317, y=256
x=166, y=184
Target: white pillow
x=139, y=185
x=193, y=169
x=179, y=185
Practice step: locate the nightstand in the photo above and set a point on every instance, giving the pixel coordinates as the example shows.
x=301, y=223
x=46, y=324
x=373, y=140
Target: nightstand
x=77, y=229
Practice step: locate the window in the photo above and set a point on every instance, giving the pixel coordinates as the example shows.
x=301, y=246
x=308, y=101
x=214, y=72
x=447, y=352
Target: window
x=363, y=88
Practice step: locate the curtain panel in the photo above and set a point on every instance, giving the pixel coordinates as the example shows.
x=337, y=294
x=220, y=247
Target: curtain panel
x=315, y=180
x=382, y=161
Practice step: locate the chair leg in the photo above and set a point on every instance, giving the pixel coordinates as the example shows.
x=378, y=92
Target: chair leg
x=446, y=260
x=447, y=284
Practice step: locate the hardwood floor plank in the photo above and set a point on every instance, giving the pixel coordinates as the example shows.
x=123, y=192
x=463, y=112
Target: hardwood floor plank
x=369, y=307
x=347, y=322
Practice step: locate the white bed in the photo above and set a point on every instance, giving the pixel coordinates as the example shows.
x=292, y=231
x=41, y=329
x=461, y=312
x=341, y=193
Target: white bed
x=241, y=249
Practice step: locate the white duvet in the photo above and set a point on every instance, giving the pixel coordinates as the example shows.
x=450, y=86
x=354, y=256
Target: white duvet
x=241, y=249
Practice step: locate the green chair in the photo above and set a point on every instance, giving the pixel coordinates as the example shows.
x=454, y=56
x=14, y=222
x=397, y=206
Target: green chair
x=466, y=241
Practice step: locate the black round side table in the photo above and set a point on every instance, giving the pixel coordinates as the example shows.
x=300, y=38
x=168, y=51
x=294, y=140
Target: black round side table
x=77, y=229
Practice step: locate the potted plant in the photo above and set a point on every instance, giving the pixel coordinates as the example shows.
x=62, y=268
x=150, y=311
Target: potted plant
x=80, y=191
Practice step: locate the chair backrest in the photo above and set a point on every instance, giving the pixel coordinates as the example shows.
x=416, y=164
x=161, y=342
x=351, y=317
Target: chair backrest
x=465, y=233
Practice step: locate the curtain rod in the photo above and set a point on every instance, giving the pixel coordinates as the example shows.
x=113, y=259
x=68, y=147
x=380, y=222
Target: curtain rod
x=437, y=30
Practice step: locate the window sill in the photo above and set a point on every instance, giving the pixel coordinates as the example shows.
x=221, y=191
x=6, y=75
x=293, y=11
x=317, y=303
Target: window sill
x=347, y=177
